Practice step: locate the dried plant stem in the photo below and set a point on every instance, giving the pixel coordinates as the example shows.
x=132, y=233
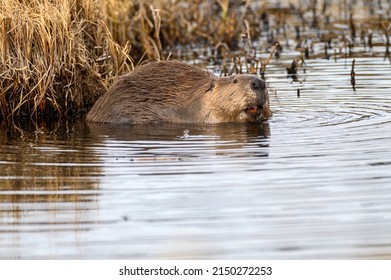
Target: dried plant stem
x=266, y=62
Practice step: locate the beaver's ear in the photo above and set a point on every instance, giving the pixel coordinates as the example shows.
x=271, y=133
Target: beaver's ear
x=211, y=86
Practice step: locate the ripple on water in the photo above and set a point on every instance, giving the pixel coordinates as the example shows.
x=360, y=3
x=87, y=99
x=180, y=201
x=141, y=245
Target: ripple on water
x=327, y=98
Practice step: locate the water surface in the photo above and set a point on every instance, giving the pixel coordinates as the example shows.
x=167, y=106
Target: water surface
x=314, y=182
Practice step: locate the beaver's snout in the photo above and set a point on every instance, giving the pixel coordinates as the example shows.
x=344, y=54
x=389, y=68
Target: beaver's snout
x=257, y=108
x=258, y=87
x=258, y=84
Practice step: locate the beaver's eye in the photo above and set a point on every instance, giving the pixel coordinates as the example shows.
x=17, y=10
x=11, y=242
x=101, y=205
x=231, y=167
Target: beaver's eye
x=235, y=81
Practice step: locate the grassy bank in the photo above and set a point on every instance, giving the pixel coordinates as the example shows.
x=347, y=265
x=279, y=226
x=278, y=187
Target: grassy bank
x=58, y=56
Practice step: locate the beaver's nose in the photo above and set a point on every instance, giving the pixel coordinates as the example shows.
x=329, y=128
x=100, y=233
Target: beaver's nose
x=258, y=84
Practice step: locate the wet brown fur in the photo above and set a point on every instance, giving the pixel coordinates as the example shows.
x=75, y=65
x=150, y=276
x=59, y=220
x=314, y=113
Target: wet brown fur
x=170, y=91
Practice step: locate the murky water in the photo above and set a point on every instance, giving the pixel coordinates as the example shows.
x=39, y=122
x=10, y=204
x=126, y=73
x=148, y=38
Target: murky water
x=313, y=182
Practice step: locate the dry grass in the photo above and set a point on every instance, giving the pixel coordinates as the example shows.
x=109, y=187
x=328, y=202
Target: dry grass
x=153, y=26
x=56, y=57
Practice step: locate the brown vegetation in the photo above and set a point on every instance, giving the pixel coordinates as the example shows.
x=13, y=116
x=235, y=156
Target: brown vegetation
x=56, y=57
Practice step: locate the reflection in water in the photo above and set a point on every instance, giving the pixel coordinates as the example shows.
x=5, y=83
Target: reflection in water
x=229, y=131
x=149, y=141
x=47, y=186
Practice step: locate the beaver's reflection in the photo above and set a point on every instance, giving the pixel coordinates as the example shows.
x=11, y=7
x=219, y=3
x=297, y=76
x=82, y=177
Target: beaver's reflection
x=178, y=141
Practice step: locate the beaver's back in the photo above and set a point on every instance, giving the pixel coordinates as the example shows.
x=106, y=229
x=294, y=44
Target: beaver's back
x=155, y=92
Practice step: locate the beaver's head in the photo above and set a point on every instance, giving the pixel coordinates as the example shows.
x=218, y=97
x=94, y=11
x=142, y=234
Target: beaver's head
x=239, y=98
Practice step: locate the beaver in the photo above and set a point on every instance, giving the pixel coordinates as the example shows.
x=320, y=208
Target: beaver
x=176, y=92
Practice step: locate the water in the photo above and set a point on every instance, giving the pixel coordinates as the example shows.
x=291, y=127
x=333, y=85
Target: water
x=314, y=182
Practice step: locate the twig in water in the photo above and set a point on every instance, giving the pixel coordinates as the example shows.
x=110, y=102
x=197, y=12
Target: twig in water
x=266, y=61
x=353, y=76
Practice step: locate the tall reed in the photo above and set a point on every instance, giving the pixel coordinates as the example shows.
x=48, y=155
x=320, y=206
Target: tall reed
x=56, y=56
